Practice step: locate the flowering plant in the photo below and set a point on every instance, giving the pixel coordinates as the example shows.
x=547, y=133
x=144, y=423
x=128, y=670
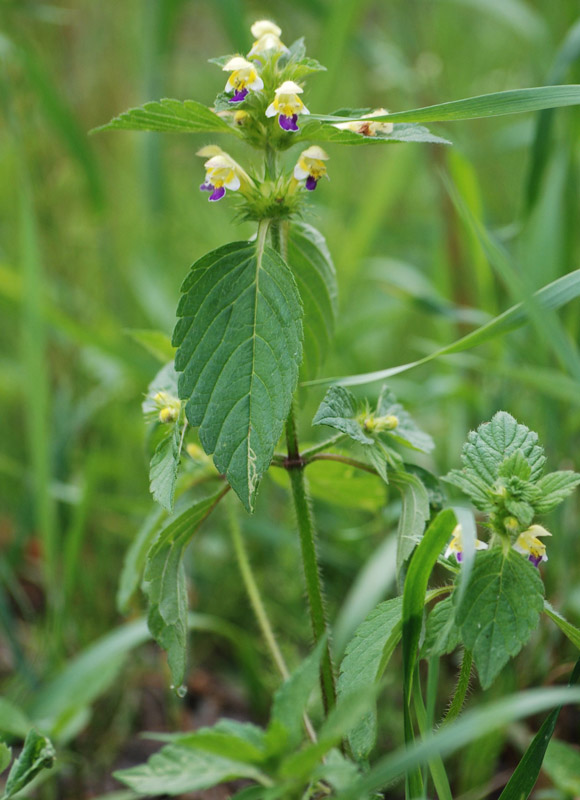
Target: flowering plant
x=255, y=318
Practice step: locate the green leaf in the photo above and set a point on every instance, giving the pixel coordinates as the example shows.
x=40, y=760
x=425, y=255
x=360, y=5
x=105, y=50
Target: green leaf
x=164, y=468
x=165, y=586
x=135, y=559
x=165, y=380
x=179, y=768
x=13, y=721
x=240, y=741
x=37, y=754
x=339, y=410
x=315, y=275
x=5, y=756
x=414, y=514
x=291, y=699
x=442, y=635
x=569, y=630
x=562, y=765
x=365, y=659
x=155, y=342
x=169, y=116
x=523, y=780
x=239, y=338
x=472, y=485
x=487, y=448
x=515, y=465
x=555, y=487
x=471, y=726
x=320, y=132
x=515, y=101
x=499, y=610
x=553, y=295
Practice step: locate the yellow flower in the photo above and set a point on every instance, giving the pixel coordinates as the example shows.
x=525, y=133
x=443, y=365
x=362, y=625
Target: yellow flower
x=311, y=167
x=529, y=544
x=267, y=38
x=287, y=105
x=455, y=546
x=168, y=407
x=221, y=173
x=365, y=127
x=243, y=78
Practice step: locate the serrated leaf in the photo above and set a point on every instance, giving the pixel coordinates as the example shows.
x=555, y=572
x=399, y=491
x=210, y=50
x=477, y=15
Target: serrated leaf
x=365, y=659
x=240, y=347
x=310, y=261
x=320, y=132
x=414, y=514
x=487, y=448
x=169, y=116
x=555, y=487
x=515, y=465
x=339, y=410
x=164, y=468
x=442, y=635
x=5, y=756
x=472, y=485
x=407, y=432
x=165, y=586
x=499, y=610
x=178, y=768
x=37, y=754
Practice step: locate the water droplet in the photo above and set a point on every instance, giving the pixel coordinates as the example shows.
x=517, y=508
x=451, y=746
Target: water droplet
x=181, y=691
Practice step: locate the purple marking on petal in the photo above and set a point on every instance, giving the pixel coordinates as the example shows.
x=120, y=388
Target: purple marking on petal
x=239, y=96
x=206, y=187
x=459, y=557
x=535, y=560
x=288, y=123
x=218, y=194
x=311, y=183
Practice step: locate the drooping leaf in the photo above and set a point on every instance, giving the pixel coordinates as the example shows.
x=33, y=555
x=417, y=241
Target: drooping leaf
x=240, y=346
x=177, y=769
x=514, y=101
x=555, y=487
x=37, y=754
x=165, y=586
x=499, y=610
x=313, y=269
x=365, y=659
x=169, y=116
x=164, y=468
x=414, y=514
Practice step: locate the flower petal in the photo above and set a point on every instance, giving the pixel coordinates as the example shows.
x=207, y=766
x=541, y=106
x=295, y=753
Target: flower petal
x=218, y=194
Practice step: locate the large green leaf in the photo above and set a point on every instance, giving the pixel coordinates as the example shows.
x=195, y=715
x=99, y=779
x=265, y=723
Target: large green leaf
x=365, y=659
x=169, y=116
x=165, y=586
x=320, y=132
x=37, y=754
x=315, y=275
x=414, y=514
x=554, y=295
x=514, y=101
x=499, y=610
x=240, y=347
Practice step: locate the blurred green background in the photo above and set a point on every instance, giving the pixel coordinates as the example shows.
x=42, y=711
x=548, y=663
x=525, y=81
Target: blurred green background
x=97, y=233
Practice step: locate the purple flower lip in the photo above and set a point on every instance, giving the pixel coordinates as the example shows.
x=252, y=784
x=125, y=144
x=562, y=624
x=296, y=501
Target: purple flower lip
x=459, y=557
x=311, y=183
x=218, y=194
x=288, y=123
x=206, y=187
x=239, y=96
x=535, y=560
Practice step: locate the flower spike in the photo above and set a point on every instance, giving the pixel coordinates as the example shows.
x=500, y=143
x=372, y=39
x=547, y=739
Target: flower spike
x=287, y=105
x=243, y=78
x=455, y=546
x=311, y=167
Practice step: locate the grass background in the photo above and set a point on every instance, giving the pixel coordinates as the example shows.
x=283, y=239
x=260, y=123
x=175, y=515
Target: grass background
x=96, y=234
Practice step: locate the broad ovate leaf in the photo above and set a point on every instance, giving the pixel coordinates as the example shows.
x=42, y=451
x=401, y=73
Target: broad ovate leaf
x=169, y=116
x=499, y=610
x=239, y=339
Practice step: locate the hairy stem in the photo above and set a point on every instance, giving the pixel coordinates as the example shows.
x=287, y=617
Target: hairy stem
x=312, y=576
x=460, y=690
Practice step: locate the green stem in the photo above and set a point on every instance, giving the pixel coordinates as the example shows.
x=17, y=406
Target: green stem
x=352, y=462
x=307, y=533
x=319, y=448
x=254, y=595
x=460, y=690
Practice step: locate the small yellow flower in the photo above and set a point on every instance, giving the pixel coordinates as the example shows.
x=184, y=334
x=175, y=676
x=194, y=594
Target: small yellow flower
x=221, y=173
x=287, y=105
x=311, y=167
x=529, y=544
x=168, y=406
x=240, y=117
x=267, y=38
x=365, y=127
x=243, y=78
x=374, y=424
x=455, y=546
